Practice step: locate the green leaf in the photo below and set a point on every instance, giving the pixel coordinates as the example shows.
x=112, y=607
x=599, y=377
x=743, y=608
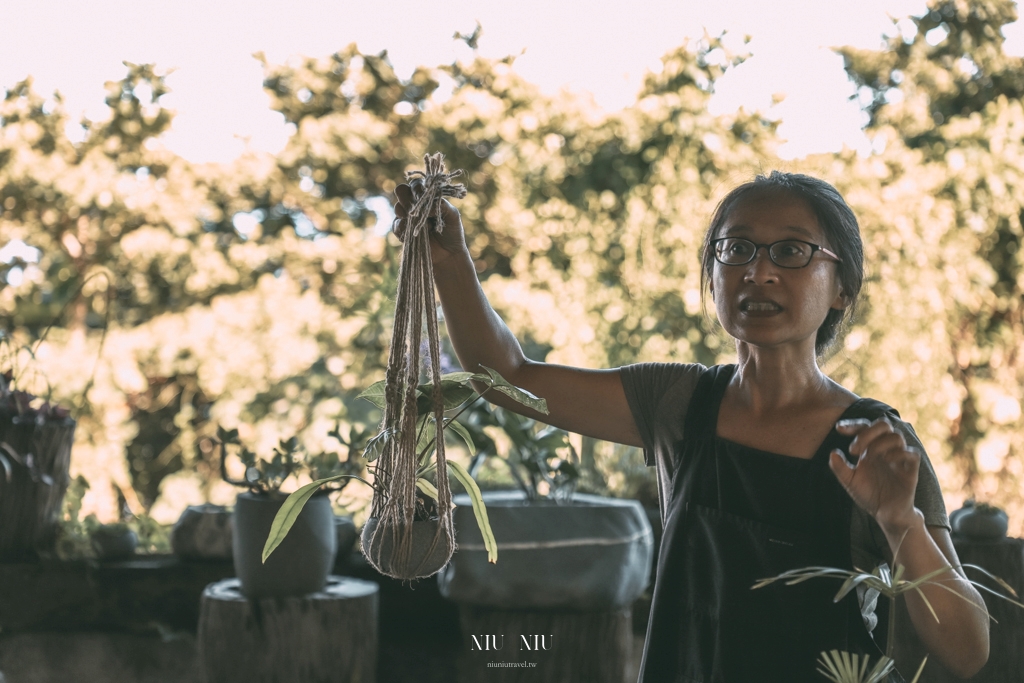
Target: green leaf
x=517, y=428
x=920, y=669
x=843, y=667
x=453, y=394
x=427, y=488
x=289, y=512
x=927, y=603
x=521, y=396
x=851, y=583
x=479, y=509
x=427, y=436
x=1005, y=586
x=375, y=446
x=8, y=472
x=226, y=435
x=461, y=430
x=460, y=377
x=881, y=669
x=375, y=394
x=553, y=438
x=247, y=457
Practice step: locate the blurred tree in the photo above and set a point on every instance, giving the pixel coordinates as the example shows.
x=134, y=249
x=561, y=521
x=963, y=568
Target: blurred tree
x=209, y=294
x=946, y=100
x=258, y=294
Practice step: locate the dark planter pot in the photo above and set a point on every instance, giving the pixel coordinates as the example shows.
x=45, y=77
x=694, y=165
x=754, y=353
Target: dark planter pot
x=979, y=522
x=427, y=557
x=560, y=596
x=30, y=503
x=302, y=562
x=114, y=542
x=593, y=553
x=345, y=530
x=203, y=532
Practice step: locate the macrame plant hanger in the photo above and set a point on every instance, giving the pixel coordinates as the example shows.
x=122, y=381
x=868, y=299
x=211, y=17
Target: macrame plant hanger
x=390, y=549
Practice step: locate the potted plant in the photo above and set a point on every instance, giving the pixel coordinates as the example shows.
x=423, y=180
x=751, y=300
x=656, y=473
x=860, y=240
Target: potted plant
x=979, y=521
x=458, y=396
x=35, y=459
x=567, y=550
x=310, y=551
x=116, y=541
x=203, y=532
x=572, y=564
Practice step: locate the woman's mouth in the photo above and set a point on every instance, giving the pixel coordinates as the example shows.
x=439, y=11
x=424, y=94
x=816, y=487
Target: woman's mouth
x=762, y=307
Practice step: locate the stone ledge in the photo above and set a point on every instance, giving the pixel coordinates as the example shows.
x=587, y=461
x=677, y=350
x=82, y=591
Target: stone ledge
x=141, y=595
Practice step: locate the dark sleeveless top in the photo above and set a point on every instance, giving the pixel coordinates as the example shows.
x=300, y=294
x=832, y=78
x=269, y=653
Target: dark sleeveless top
x=736, y=515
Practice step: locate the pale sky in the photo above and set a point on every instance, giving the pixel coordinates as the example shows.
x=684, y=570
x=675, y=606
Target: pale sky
x=600, y=47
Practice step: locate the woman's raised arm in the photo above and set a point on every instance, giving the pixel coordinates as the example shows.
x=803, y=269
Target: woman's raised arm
x=588, y=402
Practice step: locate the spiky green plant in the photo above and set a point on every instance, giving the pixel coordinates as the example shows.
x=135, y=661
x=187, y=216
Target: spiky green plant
x=839, y=666
x=889, y=584
x=844, y=667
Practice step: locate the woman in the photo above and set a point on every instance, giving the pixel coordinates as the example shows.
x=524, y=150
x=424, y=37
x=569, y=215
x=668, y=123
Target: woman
x=753, y=459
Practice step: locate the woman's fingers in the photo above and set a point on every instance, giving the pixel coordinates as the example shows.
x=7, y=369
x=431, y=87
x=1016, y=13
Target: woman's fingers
x=889, y=444
x=841, y=467
x=884, y=476
x=878, y=439
x=403, y=193
x=447, y=239
x=865, y=433
x=406, y=196
x=404, y=200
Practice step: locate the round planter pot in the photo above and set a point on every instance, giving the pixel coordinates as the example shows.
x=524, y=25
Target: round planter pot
x=593, y=553
x=114, y=542
x=979, y=522
x=300, y=565
x=345, y=530
x=203, y=532
x=427, y=557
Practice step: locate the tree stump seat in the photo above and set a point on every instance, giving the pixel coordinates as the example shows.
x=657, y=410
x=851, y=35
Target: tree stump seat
x=325, y=637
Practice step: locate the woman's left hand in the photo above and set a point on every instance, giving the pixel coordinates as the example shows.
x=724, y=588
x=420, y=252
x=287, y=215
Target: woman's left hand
x=884, y=478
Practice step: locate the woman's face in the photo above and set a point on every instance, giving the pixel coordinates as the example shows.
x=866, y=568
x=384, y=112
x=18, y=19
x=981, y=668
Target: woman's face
x=763, y=304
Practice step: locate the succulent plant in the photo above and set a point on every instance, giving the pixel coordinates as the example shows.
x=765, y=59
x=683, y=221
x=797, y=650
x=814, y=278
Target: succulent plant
x=289, y=457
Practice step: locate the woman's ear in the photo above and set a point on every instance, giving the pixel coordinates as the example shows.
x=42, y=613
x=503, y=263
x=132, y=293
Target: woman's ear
x=842, y=302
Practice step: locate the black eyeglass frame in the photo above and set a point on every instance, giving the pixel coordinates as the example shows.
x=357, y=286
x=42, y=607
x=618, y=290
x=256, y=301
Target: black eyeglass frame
x=757, y=247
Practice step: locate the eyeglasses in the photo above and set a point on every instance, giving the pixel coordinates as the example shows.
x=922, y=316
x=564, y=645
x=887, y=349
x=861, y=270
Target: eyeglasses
x=736, y=251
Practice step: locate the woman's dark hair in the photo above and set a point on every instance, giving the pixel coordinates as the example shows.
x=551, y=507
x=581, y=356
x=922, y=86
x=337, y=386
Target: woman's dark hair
x=836, y=220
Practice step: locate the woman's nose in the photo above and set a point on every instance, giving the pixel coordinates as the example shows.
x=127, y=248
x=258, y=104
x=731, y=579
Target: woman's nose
x=761, y=268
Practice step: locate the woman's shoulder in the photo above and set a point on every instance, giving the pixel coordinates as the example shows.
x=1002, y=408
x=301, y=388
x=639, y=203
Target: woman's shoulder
x=659, y=395
x=650, y=384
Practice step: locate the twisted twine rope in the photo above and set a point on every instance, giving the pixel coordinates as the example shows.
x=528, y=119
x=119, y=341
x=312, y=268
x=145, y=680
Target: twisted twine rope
x=394, y=499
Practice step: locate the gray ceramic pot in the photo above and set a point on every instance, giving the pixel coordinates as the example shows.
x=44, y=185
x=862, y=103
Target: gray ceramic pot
x=114, y=542
x=302, y=562
x=591, y=554
x=203, y=532
x=346, y=533
x=979, y=522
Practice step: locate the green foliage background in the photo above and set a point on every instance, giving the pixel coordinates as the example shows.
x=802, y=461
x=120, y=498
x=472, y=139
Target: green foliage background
x=259, y=294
